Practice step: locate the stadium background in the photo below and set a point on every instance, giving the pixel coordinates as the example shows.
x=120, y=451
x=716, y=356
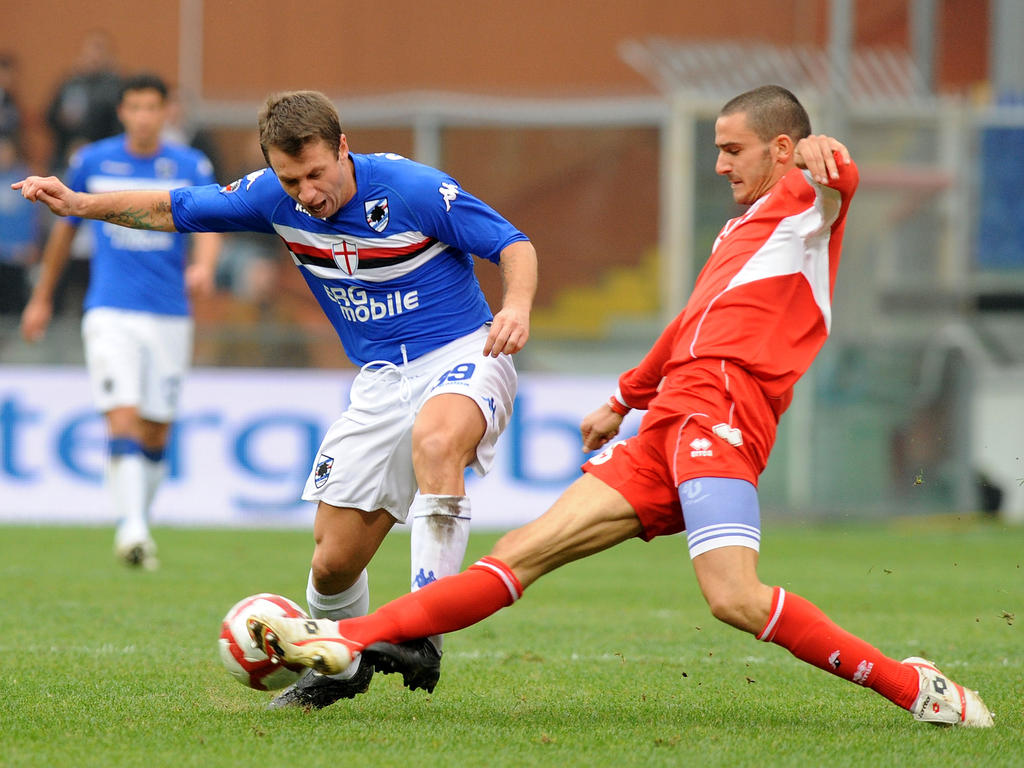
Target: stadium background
x=589, y=126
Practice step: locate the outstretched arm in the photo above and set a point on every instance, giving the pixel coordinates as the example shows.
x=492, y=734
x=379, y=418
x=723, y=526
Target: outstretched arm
x=137, y=209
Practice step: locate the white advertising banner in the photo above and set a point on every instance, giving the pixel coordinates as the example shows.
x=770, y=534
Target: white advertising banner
x=245, y=441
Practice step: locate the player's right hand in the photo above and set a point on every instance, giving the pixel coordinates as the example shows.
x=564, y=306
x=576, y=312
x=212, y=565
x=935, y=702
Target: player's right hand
x=48, y=190
x=35, y=319
x=599, y=427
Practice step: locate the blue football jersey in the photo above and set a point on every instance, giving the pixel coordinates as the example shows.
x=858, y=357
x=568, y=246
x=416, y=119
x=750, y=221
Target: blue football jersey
x=135, y=268
x=392, y=269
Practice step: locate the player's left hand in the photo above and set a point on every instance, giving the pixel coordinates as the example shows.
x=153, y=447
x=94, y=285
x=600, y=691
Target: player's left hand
x=509, y=331
x=200, y=280
x=815, y=153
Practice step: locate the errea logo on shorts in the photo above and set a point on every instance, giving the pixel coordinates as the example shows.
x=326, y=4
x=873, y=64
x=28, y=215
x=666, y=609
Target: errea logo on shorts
x=358, y=307
x=701, y=447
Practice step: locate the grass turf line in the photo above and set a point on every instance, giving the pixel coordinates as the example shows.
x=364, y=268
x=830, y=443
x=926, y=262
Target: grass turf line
x=613, y=660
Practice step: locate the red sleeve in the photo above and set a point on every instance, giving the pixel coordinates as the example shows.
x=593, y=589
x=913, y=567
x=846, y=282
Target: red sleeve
x=849, y=178
x=637, y=387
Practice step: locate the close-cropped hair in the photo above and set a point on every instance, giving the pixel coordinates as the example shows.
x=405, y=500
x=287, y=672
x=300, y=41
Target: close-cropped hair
x=290, y=120
x=771, y=110
x=144, y=81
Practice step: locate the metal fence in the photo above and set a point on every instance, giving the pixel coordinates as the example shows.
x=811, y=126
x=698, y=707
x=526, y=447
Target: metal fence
x=621, y=198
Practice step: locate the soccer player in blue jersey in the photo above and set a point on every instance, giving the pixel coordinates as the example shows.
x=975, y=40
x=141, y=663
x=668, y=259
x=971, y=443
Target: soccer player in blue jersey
x=137, y=329
x=386, y=246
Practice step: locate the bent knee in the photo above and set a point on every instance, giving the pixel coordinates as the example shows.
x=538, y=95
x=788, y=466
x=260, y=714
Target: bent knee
x=441, y=447
x=333, y=573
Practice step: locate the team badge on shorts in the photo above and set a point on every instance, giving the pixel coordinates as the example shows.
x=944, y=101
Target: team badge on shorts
x=377, y=214
x=323, y=470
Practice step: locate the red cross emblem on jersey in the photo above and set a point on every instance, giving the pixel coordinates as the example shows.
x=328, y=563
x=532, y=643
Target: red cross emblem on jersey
x=346, y=256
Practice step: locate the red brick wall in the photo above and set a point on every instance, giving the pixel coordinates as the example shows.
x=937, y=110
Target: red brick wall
x=546, y=47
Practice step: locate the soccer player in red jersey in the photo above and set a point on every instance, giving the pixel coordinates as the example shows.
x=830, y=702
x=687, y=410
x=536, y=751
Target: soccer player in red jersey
x=714, y=386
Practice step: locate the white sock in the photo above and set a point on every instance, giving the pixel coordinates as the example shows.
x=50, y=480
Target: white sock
x=127, y=485
x=354, y=601
x=155, y=472
x=439, y=535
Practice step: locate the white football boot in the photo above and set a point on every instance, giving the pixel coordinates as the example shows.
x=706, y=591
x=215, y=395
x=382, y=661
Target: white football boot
x=314, y=643
x=944, y=702
x=135, y=547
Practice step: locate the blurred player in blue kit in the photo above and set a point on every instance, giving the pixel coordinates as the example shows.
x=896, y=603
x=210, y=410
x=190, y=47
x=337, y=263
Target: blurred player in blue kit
x=386, y=245
x=137, y=327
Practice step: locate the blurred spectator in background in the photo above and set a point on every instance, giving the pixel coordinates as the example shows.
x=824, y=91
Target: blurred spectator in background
x=19, y=231
x=182, y=129
x=10, y=113
x=84, y=109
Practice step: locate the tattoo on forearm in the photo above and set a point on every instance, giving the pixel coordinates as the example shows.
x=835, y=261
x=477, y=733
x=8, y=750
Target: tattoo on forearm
x=140, y=218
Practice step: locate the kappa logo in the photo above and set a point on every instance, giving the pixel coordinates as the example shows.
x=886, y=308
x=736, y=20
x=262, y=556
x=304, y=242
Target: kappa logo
x=492, y=407
x=377, y=214
x=833, y=659
x=249, y=178
x=449, y=192
x=253, y=176
x=323, y=470
x=701, y=447
x=422, y=579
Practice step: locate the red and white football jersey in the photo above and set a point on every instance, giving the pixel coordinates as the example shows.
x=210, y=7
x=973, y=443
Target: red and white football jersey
x=764, y=299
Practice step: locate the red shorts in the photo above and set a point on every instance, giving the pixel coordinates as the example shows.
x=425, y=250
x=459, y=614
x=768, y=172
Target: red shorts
x=707, y=421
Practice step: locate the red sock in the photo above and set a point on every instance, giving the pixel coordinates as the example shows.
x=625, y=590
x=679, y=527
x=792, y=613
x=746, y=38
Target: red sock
x=442, y=606
x=804, y=630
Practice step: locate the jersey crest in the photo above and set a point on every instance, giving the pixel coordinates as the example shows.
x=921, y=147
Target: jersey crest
x=377, y=214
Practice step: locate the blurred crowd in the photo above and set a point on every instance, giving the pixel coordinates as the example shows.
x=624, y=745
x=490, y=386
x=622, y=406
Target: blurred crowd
x=259, y=301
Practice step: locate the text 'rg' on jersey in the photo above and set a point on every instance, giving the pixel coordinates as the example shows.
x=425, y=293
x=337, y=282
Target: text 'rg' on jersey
x=392, y=268
x=764, y=299
x=136, y=269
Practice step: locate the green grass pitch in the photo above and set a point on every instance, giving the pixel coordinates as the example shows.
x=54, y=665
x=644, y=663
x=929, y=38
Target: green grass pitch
x=612, y=661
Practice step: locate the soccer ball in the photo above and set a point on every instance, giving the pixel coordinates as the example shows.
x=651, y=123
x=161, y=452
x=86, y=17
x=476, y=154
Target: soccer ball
x=247, y=663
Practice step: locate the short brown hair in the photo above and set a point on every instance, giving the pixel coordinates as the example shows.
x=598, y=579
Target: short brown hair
x=771, y=110
x=290, y=120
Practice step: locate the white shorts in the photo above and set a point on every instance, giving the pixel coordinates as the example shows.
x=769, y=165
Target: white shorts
x=365, y=460
x=137, y=359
